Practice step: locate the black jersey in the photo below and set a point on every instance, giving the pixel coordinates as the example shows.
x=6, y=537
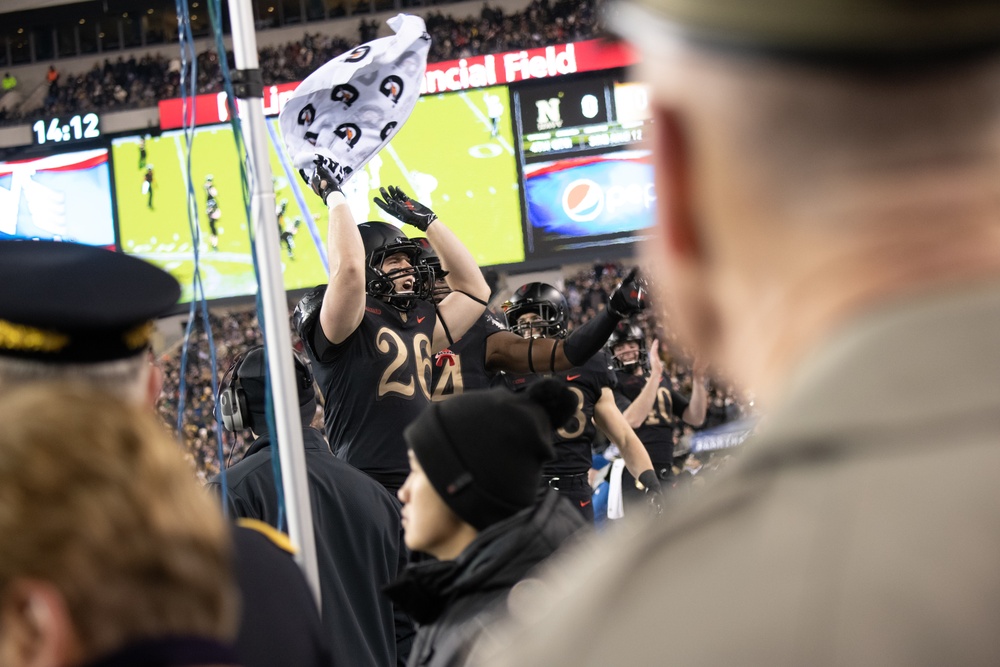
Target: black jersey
x=574, y=439
x=374, y=384
x=657, y=431
x=461, y=367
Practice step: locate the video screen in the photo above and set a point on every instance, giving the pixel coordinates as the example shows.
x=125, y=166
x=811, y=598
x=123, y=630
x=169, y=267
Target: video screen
x=455, y=154
x=585, y=185
x=572, y=200
x=65, y=197
x=151, y=194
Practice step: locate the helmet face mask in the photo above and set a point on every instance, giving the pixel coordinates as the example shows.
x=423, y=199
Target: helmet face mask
x=628, y=333
x=437, y=287
x=542, y=300
x=382, y=241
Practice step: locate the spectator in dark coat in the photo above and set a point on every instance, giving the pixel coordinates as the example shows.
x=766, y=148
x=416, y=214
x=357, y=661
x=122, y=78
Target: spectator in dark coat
x=359, y=547
x=472, y=501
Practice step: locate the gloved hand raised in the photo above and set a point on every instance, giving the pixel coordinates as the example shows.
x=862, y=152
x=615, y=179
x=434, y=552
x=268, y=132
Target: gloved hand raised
x=650, y=483
x=629, y=297
x=399, y=205
x=324, y=180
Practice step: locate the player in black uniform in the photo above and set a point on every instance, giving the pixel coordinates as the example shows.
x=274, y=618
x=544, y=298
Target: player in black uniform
x=212, y=211
x=488, y=347
x=538, y=310
x=286, y=233
x=649, y=404
x=376, y=336
x=147, y=185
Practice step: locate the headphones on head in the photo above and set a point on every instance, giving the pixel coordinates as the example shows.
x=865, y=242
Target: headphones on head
x=232, y=403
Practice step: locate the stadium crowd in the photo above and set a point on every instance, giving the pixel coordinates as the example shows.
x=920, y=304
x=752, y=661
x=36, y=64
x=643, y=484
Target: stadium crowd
x=130, y=83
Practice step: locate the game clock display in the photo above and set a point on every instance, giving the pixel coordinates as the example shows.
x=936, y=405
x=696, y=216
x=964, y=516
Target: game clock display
x=79, y=127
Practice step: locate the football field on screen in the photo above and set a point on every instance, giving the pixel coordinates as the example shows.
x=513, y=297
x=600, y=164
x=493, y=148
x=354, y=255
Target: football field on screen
x=448, y=155
x=162, y=233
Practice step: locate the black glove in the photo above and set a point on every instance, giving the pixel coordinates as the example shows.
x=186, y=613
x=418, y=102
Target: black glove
x=629, y=297
x=307, y=311
x=650, y=483
x=324, y=180
x=399, y=205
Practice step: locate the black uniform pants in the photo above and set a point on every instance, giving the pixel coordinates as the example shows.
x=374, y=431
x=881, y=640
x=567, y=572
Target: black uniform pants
x=576, y=489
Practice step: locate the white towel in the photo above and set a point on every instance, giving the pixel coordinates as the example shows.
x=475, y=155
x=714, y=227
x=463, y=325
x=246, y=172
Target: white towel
x=616, y=509
x=351, y=107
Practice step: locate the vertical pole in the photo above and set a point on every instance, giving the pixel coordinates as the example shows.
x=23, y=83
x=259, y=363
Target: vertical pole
x=284, y=390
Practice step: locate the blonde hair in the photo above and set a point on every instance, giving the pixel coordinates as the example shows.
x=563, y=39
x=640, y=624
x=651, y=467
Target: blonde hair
x=96, y=499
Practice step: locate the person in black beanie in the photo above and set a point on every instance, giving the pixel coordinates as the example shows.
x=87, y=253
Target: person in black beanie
x=471, y=501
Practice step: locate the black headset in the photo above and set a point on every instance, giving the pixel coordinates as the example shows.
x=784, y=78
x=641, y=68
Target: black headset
x=232, y=402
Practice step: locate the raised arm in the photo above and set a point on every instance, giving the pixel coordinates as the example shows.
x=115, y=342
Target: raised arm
x=637, y=412
x=694, y=414
x=610, y=420
x=344, y=300
x=467, y=301
x=518, y=355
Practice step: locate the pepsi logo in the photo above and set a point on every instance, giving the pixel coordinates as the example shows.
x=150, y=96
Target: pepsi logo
x=583, y=200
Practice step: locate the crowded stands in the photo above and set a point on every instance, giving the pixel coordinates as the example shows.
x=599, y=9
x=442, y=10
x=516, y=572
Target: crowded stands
x=126, y=82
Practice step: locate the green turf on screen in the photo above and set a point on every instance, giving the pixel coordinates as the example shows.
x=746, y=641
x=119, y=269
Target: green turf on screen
x=446, y=155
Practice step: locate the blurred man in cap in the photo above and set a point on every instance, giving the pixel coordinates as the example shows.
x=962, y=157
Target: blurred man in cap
x=828, y=232
x=76, y=313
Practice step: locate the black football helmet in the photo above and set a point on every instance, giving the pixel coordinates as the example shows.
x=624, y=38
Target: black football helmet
x=545, y=301
x=382, y=240
x=625, y=333
x=431, y=259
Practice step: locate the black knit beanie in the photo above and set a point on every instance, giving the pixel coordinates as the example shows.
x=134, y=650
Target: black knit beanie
x=483, y=450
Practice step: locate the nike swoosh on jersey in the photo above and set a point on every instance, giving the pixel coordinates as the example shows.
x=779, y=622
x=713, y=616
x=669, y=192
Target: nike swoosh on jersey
x=584, y=503
x=572, y=377
x=421, y=319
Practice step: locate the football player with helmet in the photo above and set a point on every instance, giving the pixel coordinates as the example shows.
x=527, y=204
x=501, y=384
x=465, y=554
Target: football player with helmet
x=651, y=407
x=538, y=311
x=370, y=333
x=488, y=348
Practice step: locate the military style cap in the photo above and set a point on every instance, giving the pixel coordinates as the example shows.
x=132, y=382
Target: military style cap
x=888, y=29
x=65, y=302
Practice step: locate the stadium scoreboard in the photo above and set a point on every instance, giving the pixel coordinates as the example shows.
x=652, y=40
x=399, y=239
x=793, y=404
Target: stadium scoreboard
x=594, y=113
x=587, y=181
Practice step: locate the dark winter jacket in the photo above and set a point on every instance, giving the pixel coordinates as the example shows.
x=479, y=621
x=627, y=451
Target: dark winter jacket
x=359, y=546
x=452, y=601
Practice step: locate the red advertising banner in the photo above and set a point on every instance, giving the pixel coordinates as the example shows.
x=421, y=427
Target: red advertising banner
x=447, y=76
